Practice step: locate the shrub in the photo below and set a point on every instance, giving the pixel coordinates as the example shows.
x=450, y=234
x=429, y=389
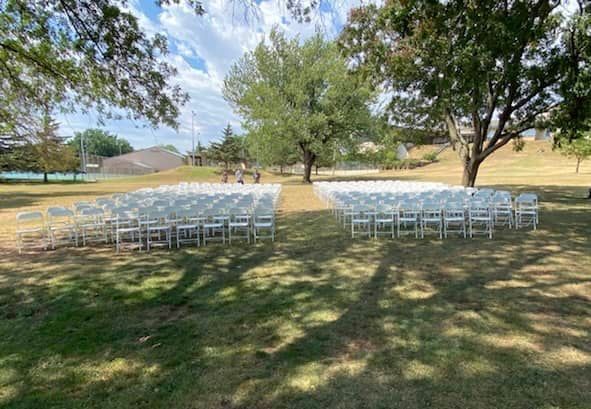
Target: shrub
x=518, y=144
x=430, y=156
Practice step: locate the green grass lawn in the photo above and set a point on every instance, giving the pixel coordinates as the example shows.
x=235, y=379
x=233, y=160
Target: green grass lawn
x=314, y=320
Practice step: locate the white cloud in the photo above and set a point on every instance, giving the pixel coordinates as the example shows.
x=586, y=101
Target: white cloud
x=217, y=39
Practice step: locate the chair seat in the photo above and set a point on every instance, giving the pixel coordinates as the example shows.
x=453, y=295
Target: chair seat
x=62, y=227
x=213, y=225
x=239, y=224
x=454, y=219
x=86, y=225
x=264, y=224
x=186, y=226
x=408, y=219
x=150, y=227
x=385, y=220
x=128, y=230
x=30, y=230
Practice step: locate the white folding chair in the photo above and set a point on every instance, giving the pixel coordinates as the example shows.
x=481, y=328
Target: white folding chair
x=502, y=209
x=61, y=226
x=526, y=210
x=158, y=229
x=431, y=219
x=239, y=225
x=454, y=219
x=263, y=221
x=408, y=219
x=187, y=227
x=385, y=221
x=30, y=231
x=480, y=219
x=361, y=219
x=91, y=225
x=127, y=232
x=214, y=226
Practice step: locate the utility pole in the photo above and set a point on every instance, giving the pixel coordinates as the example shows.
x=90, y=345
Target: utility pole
x=193, y=135
x=199, y=149
x=82, y=152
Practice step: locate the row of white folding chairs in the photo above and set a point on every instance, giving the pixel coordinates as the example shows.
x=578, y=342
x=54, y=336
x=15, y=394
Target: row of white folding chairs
x=396, y=221
x=135, y=228
x=63, y=226
x=523, y=213
x=59, y=225
x=368, y=188
x=475, y=218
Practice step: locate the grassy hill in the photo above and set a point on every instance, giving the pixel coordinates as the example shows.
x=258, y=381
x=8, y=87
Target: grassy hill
x=536, y=164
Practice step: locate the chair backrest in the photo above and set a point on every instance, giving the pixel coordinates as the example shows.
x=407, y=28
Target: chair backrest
x=527, y=199
x=157, y=214
x=103, y=201
x=479, y=209
x=29, y=219
x=92, y=211
x=59, y=211
x=29, y=216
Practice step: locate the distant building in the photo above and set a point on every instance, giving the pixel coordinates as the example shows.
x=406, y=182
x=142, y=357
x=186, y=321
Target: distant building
x=143, y=161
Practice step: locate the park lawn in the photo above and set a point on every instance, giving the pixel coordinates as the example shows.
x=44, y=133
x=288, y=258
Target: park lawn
x=314, y=320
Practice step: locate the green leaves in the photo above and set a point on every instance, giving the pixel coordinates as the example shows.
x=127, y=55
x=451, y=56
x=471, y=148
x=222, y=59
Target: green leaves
x=297, y=98
x=63, y=55
x=230, y=150
x=495, y=68
x=100, y=142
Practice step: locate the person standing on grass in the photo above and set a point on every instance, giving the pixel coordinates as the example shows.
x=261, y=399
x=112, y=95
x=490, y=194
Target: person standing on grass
x=239, y=176
x=256, y=176
x=225, y=176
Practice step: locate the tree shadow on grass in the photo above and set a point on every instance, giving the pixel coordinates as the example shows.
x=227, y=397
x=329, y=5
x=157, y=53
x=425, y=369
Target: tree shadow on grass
x=313, y=320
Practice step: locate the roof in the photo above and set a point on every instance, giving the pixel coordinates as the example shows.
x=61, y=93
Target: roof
x=160, y=148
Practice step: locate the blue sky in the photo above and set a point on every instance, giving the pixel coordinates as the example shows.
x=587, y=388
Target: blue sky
x=203, y=49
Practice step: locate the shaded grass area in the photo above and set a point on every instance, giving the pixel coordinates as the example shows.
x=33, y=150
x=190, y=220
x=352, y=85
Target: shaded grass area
x=314, y=320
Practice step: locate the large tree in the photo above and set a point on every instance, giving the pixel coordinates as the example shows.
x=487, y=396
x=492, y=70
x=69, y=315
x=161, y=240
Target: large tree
x=571, y=119
x=301, y=93
x=229, y=150
x=579, y=148
x=483, y=70
x=271, y=149
x=45, y=152
x=82, y=54
x=100, y=142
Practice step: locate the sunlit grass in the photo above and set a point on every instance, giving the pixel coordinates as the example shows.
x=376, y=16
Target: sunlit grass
x=314, y=320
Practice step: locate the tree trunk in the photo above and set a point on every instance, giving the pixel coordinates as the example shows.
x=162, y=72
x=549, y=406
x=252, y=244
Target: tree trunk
x=470, y=173
x=578, y=165
x=281, y=169
x=316, y=169
x=309, y=158
x=45, y=177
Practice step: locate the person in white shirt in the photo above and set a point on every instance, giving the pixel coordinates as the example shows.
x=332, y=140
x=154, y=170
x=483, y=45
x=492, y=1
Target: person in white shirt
x=239, y=176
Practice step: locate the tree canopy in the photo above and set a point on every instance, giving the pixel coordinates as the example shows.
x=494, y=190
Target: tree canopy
x=45, y=153
x=229, y=150
x=100, y=142
x=300, y=97
x=63, y=55
x=579, y=148
x=483, y=70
